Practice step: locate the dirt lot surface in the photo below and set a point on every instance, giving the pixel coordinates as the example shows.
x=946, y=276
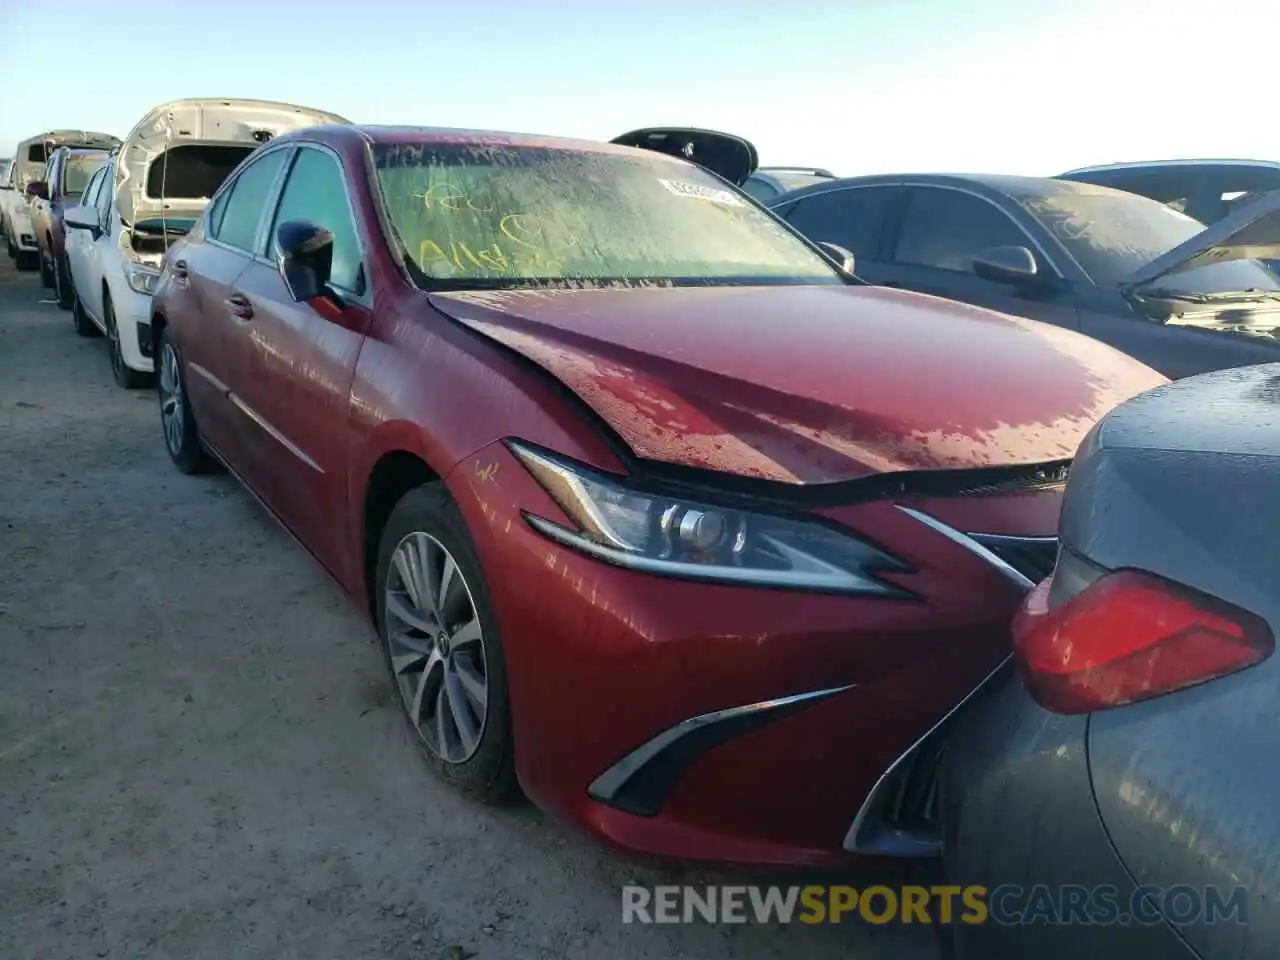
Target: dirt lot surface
x=199, y=754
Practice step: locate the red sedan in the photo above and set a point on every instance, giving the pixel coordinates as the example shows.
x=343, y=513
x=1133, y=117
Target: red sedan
x=658, y=511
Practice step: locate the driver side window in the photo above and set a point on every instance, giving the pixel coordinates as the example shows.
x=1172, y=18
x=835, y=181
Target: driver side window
x=316, y=191
x=106, y=196
x=90, y=197
x=944, y=228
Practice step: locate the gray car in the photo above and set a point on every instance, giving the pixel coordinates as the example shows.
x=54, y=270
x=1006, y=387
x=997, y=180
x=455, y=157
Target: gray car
x=1118, y=267
x=1205, y=189
x=1116, y=792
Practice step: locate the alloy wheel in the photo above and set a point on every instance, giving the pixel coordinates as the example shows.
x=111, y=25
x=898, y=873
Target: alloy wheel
x=171, y=400
x=436, y=645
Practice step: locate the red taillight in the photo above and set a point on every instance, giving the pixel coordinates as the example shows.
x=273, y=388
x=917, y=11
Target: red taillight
x=1130, y=636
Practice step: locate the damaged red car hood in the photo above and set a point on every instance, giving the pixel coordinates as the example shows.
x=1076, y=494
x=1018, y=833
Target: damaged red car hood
x=812, y=384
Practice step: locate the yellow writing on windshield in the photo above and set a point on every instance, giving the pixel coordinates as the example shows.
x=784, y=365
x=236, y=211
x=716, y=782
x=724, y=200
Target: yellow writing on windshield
x=464, y=256
x=521, y=244
x=450, y=198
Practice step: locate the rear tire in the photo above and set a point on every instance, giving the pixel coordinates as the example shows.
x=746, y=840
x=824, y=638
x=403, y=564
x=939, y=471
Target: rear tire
x=177, y=421
x=125, y=376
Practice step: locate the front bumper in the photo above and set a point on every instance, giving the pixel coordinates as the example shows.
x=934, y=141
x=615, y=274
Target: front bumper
x=722, y=723
x=133, y=322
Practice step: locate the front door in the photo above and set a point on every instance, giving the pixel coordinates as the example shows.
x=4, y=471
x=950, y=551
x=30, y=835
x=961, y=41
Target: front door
x=297, y=361
x=940, y=231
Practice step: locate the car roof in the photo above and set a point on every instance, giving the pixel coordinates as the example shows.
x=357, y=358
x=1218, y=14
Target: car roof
x=378, y=135
x=1158, y=164
x=992, y=183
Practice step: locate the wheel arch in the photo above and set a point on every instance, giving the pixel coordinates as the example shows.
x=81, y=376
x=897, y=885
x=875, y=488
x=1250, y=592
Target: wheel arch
x=395, y=472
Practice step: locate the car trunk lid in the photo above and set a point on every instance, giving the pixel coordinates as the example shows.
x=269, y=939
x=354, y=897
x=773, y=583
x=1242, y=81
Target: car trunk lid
x=727, y=156
x=177, y=156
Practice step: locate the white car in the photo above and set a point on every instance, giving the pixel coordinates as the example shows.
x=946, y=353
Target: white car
x=153, y=189
x=28, y=164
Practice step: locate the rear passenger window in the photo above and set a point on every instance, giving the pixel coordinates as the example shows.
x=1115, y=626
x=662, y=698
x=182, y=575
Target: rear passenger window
x=852, y=218
x=246, y=203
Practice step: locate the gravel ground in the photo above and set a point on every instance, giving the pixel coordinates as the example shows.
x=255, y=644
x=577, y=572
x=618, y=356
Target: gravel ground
x=199, y=755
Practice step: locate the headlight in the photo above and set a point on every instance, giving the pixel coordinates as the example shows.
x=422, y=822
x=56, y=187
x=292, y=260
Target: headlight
x=661, y=534
x=142, y=278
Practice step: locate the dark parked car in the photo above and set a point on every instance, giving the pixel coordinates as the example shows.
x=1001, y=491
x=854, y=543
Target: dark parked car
x=1205, y=189
x=68, y=172
x=615, y=461
x=1133, y=754
x=1116, y=266
x=766, y=183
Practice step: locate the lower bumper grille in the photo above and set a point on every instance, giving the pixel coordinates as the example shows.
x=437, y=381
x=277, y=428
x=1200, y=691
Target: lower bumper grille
x=914, y=804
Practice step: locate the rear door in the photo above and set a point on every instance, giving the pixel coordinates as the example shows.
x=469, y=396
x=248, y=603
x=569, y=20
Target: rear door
x=938, y=234
x=294, y=367
x=851, y=217
x=730, y=157
x=234, y=226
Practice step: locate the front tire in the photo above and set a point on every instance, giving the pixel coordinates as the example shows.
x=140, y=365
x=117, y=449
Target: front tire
x=125, y=376
x=79, y=319
x=181, y=435
x=441, y=645
x=27, y=260
x=46, y=270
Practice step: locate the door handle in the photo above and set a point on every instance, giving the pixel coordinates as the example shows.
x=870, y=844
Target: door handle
x=240, y=306
x=180, y=269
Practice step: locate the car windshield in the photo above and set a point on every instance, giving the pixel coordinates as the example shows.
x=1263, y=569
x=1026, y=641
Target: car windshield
x=505, y=216
x=77, y=171
x=1113, y=234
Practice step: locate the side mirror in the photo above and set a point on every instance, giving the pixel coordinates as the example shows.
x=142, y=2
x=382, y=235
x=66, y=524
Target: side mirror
x=38, y=188
x=83, y=218
x=841, y=257
x=1011, y=264
x=306, y=258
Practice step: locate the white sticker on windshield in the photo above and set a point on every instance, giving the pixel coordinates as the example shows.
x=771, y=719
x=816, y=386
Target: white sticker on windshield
x=682, y=188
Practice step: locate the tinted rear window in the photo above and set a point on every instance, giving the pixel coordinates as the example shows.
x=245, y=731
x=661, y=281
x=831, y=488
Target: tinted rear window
x=36, y=153
x=194, y=171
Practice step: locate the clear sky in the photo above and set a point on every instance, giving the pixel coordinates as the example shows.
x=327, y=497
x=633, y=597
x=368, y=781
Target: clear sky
x=859, y=86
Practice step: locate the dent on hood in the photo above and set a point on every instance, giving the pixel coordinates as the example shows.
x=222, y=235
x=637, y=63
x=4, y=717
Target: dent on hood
x=818, y=443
